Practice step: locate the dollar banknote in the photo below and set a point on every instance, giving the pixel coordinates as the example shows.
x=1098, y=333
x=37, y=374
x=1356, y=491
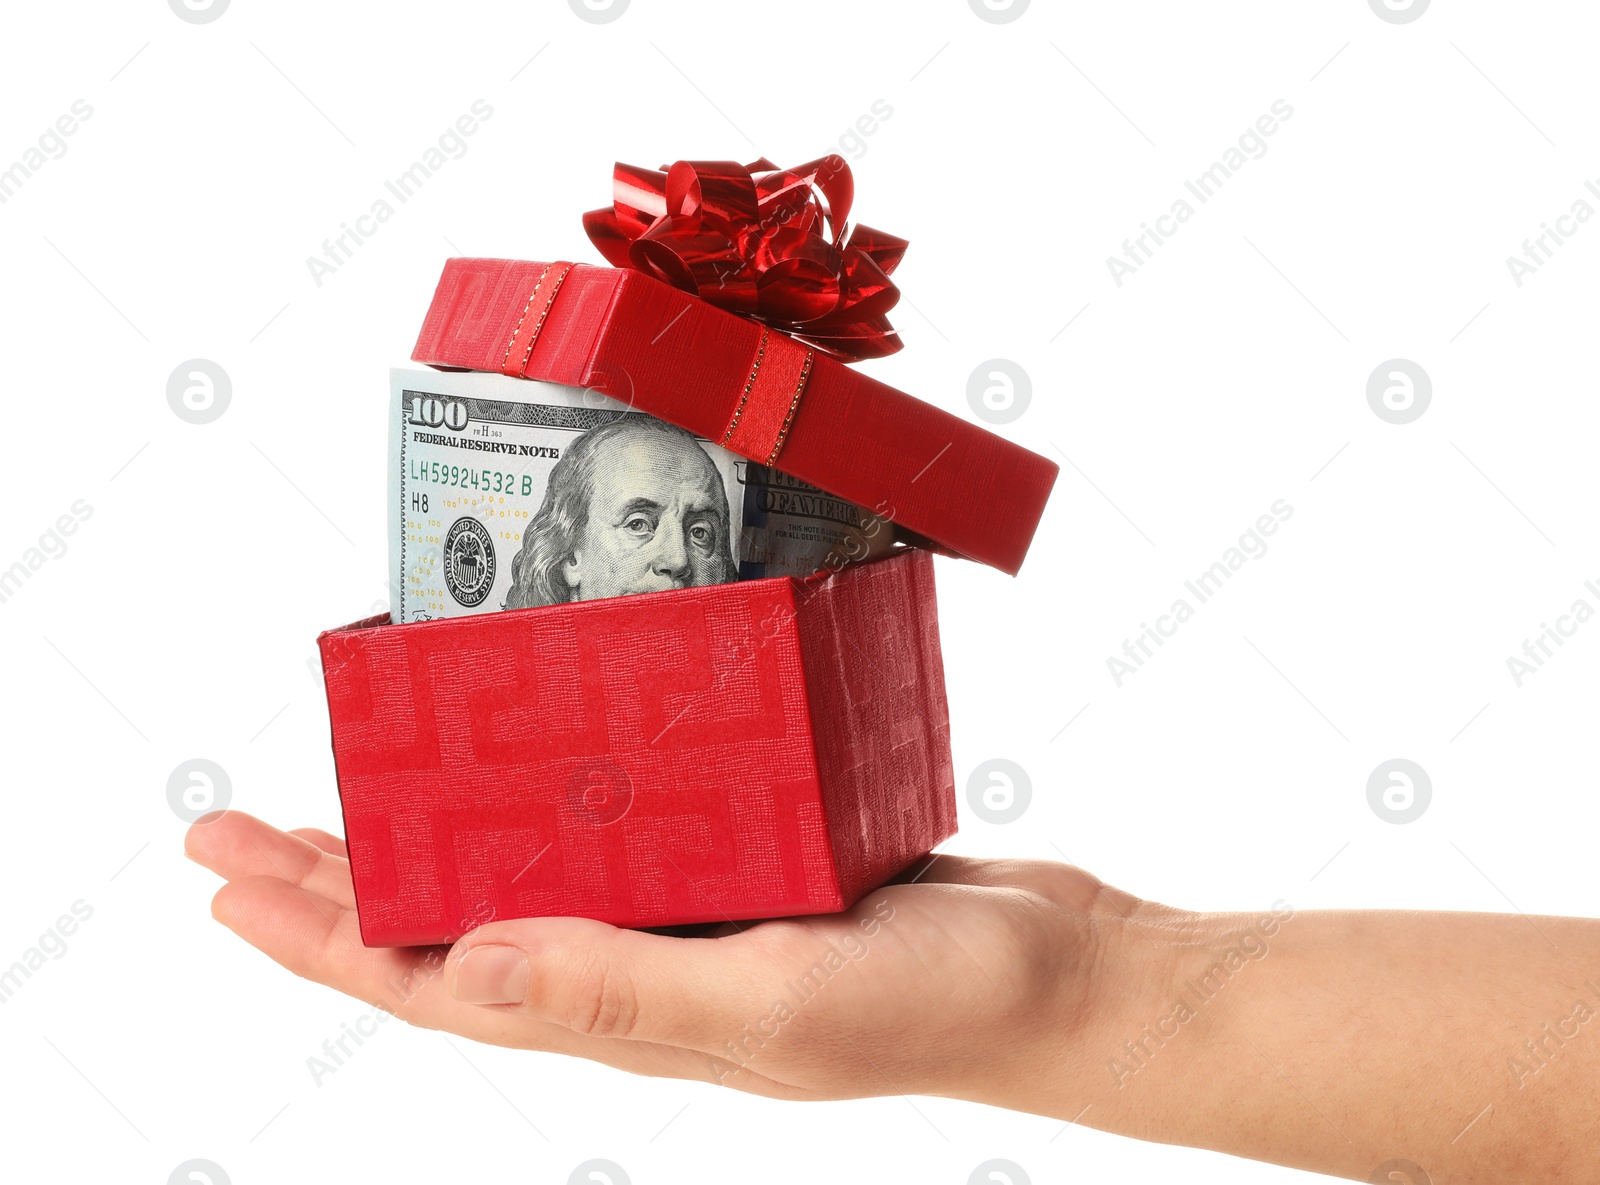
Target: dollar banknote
x=509, y=493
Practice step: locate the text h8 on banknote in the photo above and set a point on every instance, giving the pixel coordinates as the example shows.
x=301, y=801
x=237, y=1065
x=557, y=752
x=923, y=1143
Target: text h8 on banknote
x=509, y=493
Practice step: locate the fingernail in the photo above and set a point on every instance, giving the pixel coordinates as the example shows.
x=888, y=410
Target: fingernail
x=492, y=975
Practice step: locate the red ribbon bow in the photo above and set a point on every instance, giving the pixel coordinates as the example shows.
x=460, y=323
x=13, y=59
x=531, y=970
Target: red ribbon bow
x=766, y=243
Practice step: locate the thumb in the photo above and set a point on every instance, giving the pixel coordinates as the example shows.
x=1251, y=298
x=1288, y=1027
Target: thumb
x=601, y=981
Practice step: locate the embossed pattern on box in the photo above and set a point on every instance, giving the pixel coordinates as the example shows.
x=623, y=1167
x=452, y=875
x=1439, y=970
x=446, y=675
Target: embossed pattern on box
x=756, y=749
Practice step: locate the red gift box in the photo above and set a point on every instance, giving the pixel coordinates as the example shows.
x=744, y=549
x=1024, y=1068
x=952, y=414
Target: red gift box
x=756, y=749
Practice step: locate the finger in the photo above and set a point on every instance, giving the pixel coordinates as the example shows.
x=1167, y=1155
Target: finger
x=600, y=981
x=1065, y=884
x=941, y=868
x=325, y=840
x=314, y=936
x=234, y=844
x=318, y=940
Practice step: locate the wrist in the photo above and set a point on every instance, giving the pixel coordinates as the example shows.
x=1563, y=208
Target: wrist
x=1153, y=985
x=1105, y=968
x=1173, y=982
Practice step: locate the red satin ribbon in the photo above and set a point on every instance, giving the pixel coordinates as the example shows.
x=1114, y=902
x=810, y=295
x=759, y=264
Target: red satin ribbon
x=770, y=244
x=526, y=334
x=760, y=422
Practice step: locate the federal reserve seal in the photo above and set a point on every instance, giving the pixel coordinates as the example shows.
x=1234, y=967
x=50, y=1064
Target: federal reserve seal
x=468, y=562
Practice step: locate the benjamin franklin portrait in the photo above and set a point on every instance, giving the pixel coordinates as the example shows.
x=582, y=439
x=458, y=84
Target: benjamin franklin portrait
x=633, y=506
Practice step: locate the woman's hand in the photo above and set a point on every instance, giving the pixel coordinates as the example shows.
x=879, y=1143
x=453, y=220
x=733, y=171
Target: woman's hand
x=962, y=983
x=1341, y=1042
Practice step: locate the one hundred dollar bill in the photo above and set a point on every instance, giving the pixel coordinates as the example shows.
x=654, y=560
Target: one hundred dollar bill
x=508, y=493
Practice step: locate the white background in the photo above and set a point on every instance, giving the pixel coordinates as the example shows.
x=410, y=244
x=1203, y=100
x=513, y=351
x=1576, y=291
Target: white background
x=1230, y=371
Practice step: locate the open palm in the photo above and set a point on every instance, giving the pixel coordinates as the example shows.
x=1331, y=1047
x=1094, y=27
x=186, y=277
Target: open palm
x=926, y=986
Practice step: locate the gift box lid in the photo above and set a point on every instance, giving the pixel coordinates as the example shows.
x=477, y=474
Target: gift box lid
x=747, y=387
